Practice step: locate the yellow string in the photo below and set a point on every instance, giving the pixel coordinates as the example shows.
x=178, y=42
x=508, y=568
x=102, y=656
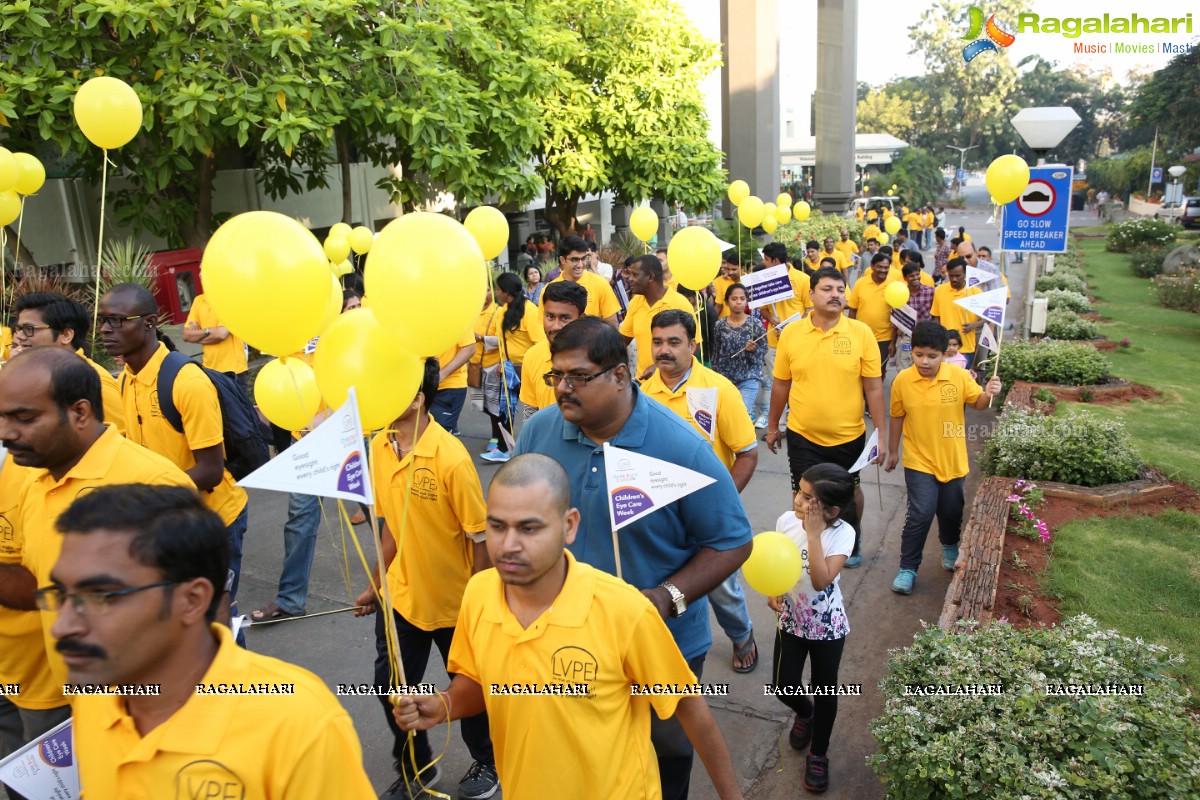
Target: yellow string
x=4, y=277
x=20, y=222
x=99, y=248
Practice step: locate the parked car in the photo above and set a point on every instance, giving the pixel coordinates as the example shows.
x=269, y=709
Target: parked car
x=876, y=204
x=1189, y=216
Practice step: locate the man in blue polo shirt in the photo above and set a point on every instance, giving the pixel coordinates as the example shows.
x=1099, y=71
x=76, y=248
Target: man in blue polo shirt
x=675, y=555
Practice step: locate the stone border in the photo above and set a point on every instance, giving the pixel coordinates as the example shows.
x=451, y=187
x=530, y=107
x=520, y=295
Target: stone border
x=972, y=590
x=1065, y=393
x=1149, y=485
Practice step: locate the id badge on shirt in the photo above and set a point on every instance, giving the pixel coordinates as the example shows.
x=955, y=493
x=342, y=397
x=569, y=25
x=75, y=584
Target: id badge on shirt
x=702, y=405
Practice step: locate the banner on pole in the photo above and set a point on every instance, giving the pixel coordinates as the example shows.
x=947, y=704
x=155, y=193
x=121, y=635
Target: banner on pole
x=870, y=452
x=770, y=285
x=988, y=305
x=639, y=485
x=46, y=768
x=987, y=339
x=905, y=319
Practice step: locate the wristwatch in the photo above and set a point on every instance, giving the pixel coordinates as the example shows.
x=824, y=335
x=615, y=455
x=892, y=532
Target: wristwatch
x=207, y=332
x=678, y=601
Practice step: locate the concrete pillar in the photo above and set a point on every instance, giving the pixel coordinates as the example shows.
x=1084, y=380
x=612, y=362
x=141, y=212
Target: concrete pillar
x=750, y=87
x=837, y=81
x=664, y=221
x=620, y=218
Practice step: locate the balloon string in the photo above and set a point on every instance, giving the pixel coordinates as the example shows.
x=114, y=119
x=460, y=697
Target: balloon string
x=99, y=249
x=20, y=223
x=4, y=276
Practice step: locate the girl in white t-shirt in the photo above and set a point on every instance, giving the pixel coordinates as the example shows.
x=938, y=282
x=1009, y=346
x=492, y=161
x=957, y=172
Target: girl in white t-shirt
x=812, y=618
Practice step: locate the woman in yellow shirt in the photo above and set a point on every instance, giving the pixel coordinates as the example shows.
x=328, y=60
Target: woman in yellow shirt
x=519, y=327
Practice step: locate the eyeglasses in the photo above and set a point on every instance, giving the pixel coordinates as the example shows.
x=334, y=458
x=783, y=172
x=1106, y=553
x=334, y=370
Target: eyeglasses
x=52, y=598
x=552, y=379
x=117, y=322
x=577, y=259
x=28, y=330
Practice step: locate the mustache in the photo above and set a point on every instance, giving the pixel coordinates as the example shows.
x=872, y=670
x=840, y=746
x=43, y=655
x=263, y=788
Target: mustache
x=665, y=357
x=16, y=448
x=562, y=401
x=74, y=647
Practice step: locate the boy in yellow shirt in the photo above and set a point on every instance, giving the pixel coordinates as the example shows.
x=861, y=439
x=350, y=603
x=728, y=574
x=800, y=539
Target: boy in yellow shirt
x=927, y=412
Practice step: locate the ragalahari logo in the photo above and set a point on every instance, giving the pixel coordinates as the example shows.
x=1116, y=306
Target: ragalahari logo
x=994, y=40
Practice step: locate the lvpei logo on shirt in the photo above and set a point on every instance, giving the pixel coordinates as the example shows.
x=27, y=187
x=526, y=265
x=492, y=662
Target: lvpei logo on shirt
x=983, y=37
x=949, y=393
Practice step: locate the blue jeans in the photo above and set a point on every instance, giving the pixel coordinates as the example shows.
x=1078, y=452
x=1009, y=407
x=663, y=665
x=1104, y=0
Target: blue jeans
x=729, y=604
x=299, y=544
x=447, y=405
x=749, y=391
x=929, y=497
x=764, y=396
x=970, y=357
x=237, y=532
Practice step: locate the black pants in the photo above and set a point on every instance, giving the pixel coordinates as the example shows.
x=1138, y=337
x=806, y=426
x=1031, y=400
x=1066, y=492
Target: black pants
x=803, y=453
x=883, y=357
x=414, y=645
x=826, y=656
x=673, y=748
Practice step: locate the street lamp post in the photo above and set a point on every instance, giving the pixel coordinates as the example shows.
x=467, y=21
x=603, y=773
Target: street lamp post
x=1043, y=129
x=962, y=155
x=1176, y=193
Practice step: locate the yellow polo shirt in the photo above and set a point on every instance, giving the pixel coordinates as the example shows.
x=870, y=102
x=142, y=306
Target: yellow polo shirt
x=934, y=423
x=458, y=378
x=299, y=745
x=638, y=316
x=826, y=369
x=111, y=459
x=487, y=324
x=858, y=213
x=895, y=274
x=847, y=248
x=228, y=355
x=801, y=301
x=952, y=315
x=22, y=650
x=724, y=421
x=110, y=394
x=5, y=342
x=515, y=343
x=867, y=298
x=534, y=391
x=602, y=301
x=929, y=219
x=915, y=221
x=435, y=560
x=721, y=285
x=196, y=399
x=840, y=259
x=872, y=231
x=600, y=631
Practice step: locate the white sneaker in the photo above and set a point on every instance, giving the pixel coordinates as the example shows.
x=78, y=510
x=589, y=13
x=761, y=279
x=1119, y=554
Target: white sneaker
x=761, y=422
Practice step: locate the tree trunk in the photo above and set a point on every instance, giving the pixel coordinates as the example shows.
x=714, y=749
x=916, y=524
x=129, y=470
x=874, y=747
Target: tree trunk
x=198, y=233
x=560, y=211
x=343, y=152
x=23, y=258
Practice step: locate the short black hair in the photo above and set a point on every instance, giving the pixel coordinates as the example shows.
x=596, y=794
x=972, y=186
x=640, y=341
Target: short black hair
x=568, y=292
x=952, y=335
x=910, y=267
x=531, y=468
x=60, y=313
x=914, y=257
x=955, y=263
x=173, y=531
x=571, y=244
x=828, y=261
x=881, y=256
x=939, y=233
x=775, y=250
x=600, y=341
x=593, y=247
x=674, y=316
x=955, y=242
x=71, y=378
x=871, y=239
x=826, y=272
x=928, y=333
x=731, y=256
x=729, y=291
x=812, y=244
x=651, y=266
x=430, y=380
x=144, y=302
x=833, y=486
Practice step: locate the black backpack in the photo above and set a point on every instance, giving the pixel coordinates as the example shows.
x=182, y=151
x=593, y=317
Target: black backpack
x=245, y=445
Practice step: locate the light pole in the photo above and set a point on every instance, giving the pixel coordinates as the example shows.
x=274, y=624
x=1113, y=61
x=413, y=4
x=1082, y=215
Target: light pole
x=1043, y=129
x=1176, y=193
x=962, y=155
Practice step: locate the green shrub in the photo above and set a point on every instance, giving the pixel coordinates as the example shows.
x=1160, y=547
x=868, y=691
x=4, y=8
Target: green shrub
x=1071, y=301
x=1148, y=261
x=1061, y=280
x=1125, y=236
x=1076, y=448
x=817, y=227
x=1044, y=395
x=1026, y=742
x=1179, y=291
x=1064, y=324
x=1052, y=362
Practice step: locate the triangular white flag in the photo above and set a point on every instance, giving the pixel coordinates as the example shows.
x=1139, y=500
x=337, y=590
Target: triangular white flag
x=869, y=453
x=987, y=339
x=329, y=462
x=989, y=305
x=639, y=485
x=978, y=277
x=46, y=767
x=725, y=245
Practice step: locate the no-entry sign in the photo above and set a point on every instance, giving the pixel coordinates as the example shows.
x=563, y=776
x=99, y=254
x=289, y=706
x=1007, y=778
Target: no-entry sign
x=1037, y=220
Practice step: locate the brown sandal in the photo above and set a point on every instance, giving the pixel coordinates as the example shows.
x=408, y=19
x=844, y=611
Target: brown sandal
x=740, y=651
x=269, y=613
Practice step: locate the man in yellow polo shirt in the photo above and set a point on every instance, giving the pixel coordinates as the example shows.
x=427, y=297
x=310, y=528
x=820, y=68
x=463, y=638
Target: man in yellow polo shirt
x=872, y=231
x=866, y=302
x=731, y=273
x=827, y=363
x=842, y=261
x=950, y=314
x=543, y=621
x=650, y=296
x=574, y=259
x=52, y=423
x=222, y=350
x=562, y=303
x=133, y=598
x=48, y=318
x=846, y=245
x=128, y=323
x=774, y=315
x=927, y=411
x=431, y=501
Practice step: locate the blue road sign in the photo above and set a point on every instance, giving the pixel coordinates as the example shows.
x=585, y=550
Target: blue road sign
x=1156, y=175
x=959, y=175
x=1037, y=220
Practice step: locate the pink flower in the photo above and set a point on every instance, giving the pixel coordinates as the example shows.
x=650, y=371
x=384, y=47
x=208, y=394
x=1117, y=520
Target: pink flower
x=1012, y=498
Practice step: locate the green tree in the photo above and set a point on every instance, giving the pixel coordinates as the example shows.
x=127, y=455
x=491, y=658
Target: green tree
x=881, y=111
x=630, y=117
x=918, y=174
x=1170, y=102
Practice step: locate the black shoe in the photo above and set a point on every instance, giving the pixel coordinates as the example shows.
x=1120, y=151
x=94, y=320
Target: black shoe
x=816, y=773
x=481, y=781
x=801, y=733
x=411, y=788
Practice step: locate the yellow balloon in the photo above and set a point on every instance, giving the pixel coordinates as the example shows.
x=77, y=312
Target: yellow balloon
x=889, y=194
x=1006, y=178
x=769, y=209
x=286, y=393
x=358, y=351
x=784, y=200
x=266, y=277
x=334, y=305
x=783, y=214
x=801, y=210
x=866, y=189
x=774, y=565
x=769, y=223
x=695, y=257
x=10, y=170
x=361, y=239
x=643, y=222
x=339, y=229
x=738, y=191
x=882, y=238
x=894, y=186
x=342, y=268
x=108, y=112
x=892, y=225
x=10, y=207
x=33, y=174
x=750, y=214
x=489, y=226
x=896, y=294
x=427, y=278
x=337, y=248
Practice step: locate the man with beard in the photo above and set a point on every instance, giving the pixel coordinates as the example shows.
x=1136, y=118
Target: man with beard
x=574, y=258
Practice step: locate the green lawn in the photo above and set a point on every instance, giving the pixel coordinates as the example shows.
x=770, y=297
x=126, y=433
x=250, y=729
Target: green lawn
x=1164, y=353
x=1136, y=574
